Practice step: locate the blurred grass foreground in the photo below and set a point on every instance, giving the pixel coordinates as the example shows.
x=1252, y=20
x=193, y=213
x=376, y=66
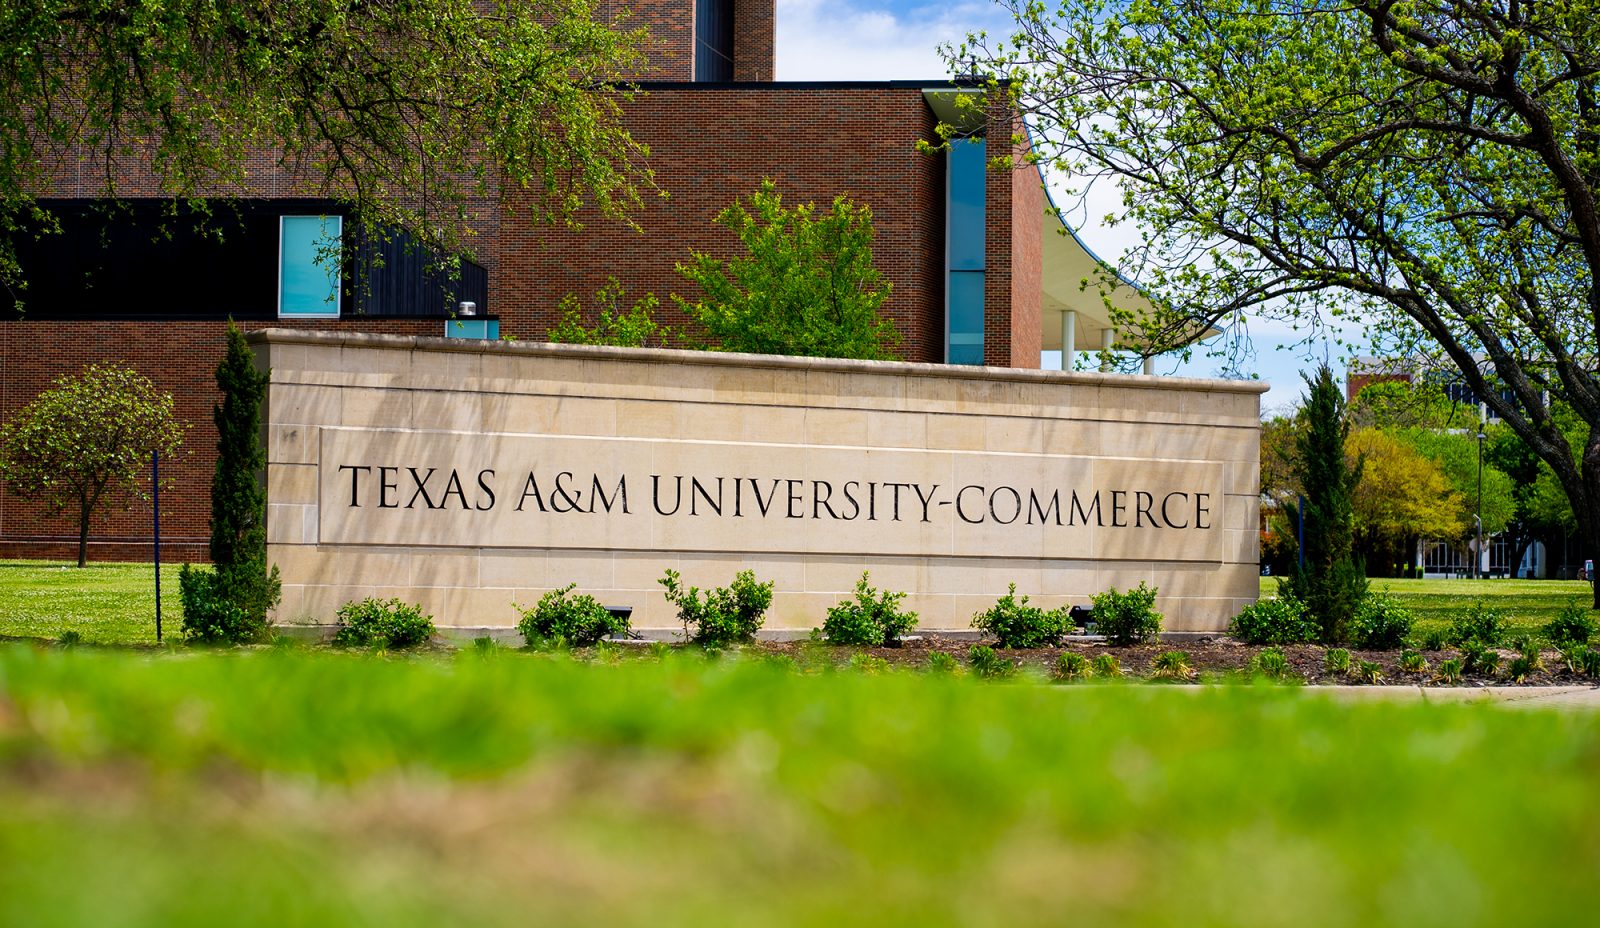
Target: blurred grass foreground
x=299, y=787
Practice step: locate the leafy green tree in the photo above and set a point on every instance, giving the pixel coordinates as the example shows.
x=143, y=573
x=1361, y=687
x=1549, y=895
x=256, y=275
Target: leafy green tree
x=1402, y=496
x=1428, y=169
x=405, y=111
x=805, y=285
x=632, y=328
x=231, y=602
x=87, y=440
x=1332, y=583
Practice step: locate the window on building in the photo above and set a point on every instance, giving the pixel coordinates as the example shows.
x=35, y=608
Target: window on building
x=964, y=250
x=309, y=260
x=713, y=40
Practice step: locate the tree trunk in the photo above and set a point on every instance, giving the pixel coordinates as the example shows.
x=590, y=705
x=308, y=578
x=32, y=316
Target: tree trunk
x=83, y=535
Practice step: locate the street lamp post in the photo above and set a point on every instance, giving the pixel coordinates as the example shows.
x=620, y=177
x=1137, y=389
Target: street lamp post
x=1477, y=567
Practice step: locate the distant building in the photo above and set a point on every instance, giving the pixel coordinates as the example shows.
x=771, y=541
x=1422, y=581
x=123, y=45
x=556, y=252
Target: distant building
x=984, y=272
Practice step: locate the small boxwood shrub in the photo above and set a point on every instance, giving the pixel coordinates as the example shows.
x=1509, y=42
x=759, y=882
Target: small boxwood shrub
x=1019, y=625
x=1480, y=625
x=1380, y=623
x=1274, y=621
x=564, y=620
x=870, y=618
x=382, y=624
x=1127, y=618
x=726, y=614
x=1572, y=625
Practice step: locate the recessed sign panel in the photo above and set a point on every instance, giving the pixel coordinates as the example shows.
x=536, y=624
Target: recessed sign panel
x=453, y=489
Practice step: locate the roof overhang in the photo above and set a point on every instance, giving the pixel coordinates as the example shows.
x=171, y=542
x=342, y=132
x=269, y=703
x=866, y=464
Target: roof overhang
x=1073, y=277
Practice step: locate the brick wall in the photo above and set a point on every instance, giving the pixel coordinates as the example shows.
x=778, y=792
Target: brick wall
x=181, y=358
x=711, y=145
x=754, y=30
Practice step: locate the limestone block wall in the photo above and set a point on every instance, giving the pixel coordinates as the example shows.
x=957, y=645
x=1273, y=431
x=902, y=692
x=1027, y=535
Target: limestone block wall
x=468, y=475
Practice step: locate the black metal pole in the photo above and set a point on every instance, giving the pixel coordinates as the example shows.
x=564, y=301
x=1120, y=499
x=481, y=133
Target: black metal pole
x=1477, y=563
x=155, y=489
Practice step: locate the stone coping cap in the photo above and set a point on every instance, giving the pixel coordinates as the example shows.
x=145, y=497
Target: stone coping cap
x=282, y=336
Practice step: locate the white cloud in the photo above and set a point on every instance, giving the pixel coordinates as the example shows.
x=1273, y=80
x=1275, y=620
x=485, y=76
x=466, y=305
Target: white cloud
x=838, y=40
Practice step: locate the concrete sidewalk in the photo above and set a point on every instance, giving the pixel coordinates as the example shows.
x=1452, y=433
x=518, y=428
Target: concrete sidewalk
x=1540, y=697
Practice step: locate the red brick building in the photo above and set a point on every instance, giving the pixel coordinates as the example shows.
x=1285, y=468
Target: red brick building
x=982, y=272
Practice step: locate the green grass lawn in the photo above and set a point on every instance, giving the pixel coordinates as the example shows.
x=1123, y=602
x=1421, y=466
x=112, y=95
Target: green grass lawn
x=305, y=787
x=1529, y=604
x=103, y=603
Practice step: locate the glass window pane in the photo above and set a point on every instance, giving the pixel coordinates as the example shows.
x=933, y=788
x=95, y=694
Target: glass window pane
x=966, y=210
x=966, y=317
x=309, y=253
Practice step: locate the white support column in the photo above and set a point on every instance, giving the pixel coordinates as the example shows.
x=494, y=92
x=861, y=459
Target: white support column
x=1150, y=365
x=1069, y=337
x=1108, y=337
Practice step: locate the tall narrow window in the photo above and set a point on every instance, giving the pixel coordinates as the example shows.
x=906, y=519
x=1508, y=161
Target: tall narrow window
x=964, y=247
x=713, y=40
x=309, y=259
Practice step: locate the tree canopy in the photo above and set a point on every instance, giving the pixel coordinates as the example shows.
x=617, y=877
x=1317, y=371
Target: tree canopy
x=404, y=110
x=88, y=440
x=805, y=285
x=1429, y=168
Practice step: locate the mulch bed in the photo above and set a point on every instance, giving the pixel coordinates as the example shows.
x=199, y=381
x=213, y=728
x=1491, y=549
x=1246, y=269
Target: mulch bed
x=1211, y=657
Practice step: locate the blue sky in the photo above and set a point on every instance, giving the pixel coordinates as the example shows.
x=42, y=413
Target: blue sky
x=886, y=40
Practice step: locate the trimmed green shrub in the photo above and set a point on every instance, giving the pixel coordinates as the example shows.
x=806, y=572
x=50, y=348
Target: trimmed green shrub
x=1127, y=618
x=726, y=614
x=212, y=613
x=1572, y=625
x=871, y=618
x=1019, y=625
x=382, y=624
x=1480, y=625
x=568, y=621
x=1274, y=621
x=1380, y=623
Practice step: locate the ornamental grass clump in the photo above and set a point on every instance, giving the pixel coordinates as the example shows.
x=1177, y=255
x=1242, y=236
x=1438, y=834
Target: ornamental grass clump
x=383, y=624
x=1274, y=621
x=1271, y=663
x=725, y=615
x=1127, y=618
x=989, y=665
x=1173, y=665
x=1336, y=662
x=560, y=619
x=1019, y=625
x=1107, y=666
x=871, y=618
x=1070, y=666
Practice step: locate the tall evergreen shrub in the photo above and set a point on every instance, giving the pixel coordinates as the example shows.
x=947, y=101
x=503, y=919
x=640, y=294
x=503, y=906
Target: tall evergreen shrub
x=1332, y=582
x=231, y=602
